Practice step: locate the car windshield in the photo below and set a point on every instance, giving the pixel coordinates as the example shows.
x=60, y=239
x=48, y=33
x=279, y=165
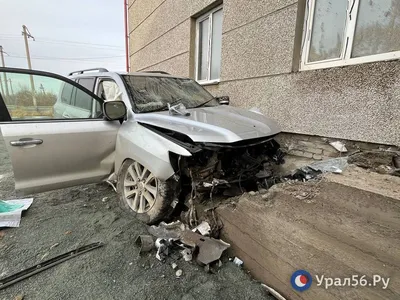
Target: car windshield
x=153, y=93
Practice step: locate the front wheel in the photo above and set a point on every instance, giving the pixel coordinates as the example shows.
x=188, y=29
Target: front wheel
x=143, y=195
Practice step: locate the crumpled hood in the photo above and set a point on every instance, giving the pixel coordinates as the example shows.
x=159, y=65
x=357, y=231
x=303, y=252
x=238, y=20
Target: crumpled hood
x=219, y=124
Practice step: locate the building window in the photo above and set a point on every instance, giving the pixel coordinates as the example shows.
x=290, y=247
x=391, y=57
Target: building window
x=208, y=46
x=347, y=32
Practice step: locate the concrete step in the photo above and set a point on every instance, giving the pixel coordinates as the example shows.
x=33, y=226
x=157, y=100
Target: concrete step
x=339, y=232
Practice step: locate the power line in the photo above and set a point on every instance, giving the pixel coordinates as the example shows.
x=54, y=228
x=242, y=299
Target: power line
x=68, y=58
x=67, y=42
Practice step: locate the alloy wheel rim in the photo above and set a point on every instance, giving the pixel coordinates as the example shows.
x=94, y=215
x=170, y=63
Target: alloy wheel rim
x=140, y=188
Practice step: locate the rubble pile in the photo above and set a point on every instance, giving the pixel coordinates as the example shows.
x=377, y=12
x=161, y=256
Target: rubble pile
x=177, y=241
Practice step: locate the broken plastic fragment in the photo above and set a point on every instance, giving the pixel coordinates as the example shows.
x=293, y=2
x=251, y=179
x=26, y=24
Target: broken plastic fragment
x=179, y=273
x=187, y=254
x=339, y=146
x=238, y=262
x=145, y=243
x=162, y=249
x=209, y=249
x=203, y=228
x=167, y=230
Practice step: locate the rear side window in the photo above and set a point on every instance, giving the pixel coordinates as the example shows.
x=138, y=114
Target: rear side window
x=85, y=102
x=68, y=94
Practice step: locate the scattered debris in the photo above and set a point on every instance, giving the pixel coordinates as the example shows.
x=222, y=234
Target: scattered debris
x=104, y=200
x=213, y=267
x=209, y=249
x=174, y=266
x=273, y=292
x=162, y=249
x=339, y=146
x=11, y=211
x=5, y=282
x=334, y=165
x=145, y=243
x=304, y=191
x=179, y=273
x=237, y=261
x=167, y=231
x=176, y=236
x=54, y=245
x=302, y=174
x=68, y=232
x=44, y=255
x=383, y=162
x=187, y=254
x=19, y=297
x=203, y=228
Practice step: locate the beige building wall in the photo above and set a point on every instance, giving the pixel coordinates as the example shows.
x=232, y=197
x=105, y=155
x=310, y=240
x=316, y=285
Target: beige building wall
x=260, y=54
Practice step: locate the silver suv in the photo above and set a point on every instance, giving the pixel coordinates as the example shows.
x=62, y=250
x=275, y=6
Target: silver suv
x=162, y=139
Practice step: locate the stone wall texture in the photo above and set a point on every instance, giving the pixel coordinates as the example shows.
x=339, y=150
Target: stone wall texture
x=360, y=102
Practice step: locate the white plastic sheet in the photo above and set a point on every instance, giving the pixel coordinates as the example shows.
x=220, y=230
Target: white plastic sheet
x=13, y=218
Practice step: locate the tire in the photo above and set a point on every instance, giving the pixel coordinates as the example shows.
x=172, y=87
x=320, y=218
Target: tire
x=138, y=187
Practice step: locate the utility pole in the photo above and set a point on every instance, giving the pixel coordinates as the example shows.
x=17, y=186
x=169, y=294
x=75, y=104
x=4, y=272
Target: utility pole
x=5, y=75
x=27, y=34
x=11, y=86
x=1, y=87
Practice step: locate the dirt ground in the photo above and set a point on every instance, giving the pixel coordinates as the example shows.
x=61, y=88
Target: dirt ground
x=77, y=216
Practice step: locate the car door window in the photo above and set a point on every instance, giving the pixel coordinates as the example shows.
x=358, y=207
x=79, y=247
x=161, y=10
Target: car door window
x=37, y=97
x=85, y=102
x=68, y=94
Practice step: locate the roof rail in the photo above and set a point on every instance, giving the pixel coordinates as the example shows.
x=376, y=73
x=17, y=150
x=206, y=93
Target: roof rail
x=159, y=72
x=88, y=70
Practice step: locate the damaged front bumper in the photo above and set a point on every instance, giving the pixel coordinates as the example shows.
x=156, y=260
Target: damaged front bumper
x=226, y=164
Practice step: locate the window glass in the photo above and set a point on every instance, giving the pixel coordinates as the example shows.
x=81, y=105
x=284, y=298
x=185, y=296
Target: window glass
x=85, y=101
x=151, y=93
x=32, y=97
x=216, y=44
x=347, y=32
x=203, y=50
x=378, y=27
x=328, y=30
x=68, y=94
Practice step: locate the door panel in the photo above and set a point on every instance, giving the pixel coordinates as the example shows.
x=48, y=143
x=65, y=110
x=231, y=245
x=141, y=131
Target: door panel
x=72, y=153
x=50, y=146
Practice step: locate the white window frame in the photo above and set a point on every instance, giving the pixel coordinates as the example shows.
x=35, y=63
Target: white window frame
x=209, y=16
x=349, y=31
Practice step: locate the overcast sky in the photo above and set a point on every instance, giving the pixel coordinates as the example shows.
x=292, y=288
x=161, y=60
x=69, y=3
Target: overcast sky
x=69, y=35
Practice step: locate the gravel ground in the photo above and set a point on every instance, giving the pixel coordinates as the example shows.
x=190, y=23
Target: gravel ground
x=77, y=216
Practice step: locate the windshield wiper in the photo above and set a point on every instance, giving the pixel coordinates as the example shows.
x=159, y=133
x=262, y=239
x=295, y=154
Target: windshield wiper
x=204, y=103
x=166, y=106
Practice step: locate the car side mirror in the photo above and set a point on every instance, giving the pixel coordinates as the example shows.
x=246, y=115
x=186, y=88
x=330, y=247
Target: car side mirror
x=114, y=110
x=223, y=100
